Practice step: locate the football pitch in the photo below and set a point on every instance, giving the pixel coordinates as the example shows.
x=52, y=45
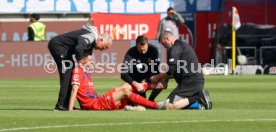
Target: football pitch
x=240, y=103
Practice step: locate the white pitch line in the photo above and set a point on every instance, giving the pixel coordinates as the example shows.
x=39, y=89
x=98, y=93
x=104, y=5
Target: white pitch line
x=135, y=123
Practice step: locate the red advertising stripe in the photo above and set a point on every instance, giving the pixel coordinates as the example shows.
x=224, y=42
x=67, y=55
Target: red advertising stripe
x=126, y=26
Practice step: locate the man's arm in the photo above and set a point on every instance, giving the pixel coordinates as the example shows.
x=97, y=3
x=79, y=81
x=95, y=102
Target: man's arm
x=73, y=97
x=156, y=59
x=159, y=29
x=85, y=42
x=127, y=78
x=76, y=82
x=178, y=18
x=125, y=73
x=30, y=34
x=157, y=78
x=126, y=69
x=173, y=56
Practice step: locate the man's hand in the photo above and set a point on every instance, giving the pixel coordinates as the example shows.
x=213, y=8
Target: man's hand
x=139, y=86
x=173, y=11
x=163, y=83
x=160, y=85
x=154, y=79
x=157, y=78
x=73, y=110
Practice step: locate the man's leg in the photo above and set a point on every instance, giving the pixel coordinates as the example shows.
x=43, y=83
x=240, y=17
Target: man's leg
x=65, y=78
x=157, y=88
x=177, y=102
x=65, y=85
x=123, y=86
x=154, y=94
x=57, y=58
x=183, y=102
x=124, y=91
x=65, y=88
x=118, y=95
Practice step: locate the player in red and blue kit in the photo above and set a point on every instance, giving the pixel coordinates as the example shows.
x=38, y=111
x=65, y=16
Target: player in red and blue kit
x=114, y=99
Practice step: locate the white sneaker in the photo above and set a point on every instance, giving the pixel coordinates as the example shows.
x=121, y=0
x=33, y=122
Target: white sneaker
x=163, y=105
x=135, y=108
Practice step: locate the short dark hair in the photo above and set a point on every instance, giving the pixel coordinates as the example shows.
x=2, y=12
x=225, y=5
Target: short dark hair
x=141, y=39
x=169, y=9
x=35, y=16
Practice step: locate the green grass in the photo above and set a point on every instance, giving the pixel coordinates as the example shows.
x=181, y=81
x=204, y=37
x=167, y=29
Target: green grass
x=241, y=103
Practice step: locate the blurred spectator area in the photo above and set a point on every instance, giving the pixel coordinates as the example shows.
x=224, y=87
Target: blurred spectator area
x=13, y=26
x=256, y=42
x=13, y=17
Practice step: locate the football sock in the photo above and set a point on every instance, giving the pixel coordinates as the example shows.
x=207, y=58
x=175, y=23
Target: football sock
x=137, y=99
x=146, y=87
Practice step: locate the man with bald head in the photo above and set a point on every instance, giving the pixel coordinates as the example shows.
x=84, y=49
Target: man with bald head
x=64, y=46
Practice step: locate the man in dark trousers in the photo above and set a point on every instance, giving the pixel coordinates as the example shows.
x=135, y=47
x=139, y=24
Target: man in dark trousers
x=186, y=70
x=143, y=62
x=64, y=46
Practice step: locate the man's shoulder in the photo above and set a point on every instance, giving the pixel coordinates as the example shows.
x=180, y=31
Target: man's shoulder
x=77, y=32
x=177, y=47
x=179, y=43
x=182, y=47
x=165, y=19
x=132, y=50
x=152, y=48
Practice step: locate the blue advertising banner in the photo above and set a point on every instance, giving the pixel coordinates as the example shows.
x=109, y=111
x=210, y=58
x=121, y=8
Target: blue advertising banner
x=107, y=6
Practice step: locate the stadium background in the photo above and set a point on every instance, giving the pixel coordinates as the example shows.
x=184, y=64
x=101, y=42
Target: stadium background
x=28, y=93
x=203, y=18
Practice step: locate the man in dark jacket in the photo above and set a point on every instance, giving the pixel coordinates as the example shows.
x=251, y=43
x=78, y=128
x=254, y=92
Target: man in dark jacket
x=64, y=46
x=143, y=62
x=186, y=70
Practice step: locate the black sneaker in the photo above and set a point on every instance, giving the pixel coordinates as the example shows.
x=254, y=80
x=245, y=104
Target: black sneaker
x=205, y=100
x=61, y=108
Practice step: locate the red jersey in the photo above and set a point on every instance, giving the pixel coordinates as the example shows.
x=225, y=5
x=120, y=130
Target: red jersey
x=86, y=92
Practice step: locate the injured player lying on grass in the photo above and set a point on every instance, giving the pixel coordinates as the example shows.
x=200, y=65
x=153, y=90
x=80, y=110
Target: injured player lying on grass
x=115, y=99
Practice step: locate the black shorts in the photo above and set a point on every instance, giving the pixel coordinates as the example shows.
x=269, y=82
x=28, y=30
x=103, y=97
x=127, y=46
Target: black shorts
x=192, y=92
